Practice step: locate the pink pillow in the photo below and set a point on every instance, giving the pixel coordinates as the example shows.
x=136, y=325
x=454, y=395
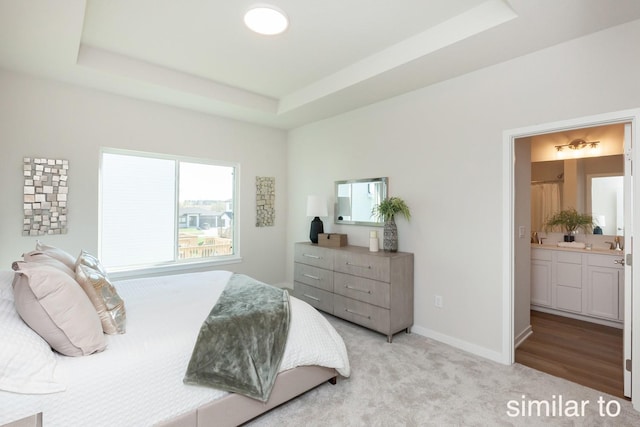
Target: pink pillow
x=56, y=307
x=62, y=256
x=41, y=257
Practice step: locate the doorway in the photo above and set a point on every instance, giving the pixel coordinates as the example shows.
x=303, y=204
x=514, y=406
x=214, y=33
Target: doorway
x=569, y=342
x=515, y=233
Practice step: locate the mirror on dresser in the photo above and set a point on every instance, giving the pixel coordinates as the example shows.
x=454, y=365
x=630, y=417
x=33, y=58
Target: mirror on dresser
x=356, y=198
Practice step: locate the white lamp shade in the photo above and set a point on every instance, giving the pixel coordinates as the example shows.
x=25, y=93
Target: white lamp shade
x=600, y=221
x=317, y=206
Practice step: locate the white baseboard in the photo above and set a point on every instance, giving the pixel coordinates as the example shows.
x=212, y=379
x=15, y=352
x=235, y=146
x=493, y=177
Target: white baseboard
x=462, y=345
x=522, y=336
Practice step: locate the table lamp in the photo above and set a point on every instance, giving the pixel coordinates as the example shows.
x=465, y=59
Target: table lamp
x=316, y=207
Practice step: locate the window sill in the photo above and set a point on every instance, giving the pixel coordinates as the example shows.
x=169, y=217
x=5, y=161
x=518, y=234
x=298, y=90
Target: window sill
x=177, y=268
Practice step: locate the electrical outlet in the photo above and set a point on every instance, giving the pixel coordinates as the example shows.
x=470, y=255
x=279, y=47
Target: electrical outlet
x=439, y=302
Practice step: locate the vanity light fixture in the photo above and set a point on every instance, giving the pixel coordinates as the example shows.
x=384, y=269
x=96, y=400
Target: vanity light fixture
x=266, y=20
x=578, y=144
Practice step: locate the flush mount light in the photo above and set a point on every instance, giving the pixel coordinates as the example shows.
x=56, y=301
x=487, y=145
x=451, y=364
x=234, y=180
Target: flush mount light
x=266, y=20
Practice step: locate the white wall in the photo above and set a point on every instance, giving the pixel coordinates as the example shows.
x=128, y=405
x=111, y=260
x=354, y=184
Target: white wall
x=441, y=148
x=41, y=118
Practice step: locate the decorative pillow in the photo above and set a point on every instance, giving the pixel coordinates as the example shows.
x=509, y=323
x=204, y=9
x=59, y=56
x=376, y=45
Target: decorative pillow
x=41, y=257
x=58, y=254
x=85, y=258
x=104, y=298
x=54, y=306
x=27, y=364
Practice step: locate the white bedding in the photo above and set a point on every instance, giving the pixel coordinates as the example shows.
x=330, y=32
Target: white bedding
x=137, y=380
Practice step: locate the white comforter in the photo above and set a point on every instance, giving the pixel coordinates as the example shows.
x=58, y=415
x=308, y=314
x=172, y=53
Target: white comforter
x=137, y=381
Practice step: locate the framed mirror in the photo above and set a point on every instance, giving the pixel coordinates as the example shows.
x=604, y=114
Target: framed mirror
x=356, y=198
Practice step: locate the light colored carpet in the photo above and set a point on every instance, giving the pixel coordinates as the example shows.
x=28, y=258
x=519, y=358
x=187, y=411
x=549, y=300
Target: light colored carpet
x=420, y=382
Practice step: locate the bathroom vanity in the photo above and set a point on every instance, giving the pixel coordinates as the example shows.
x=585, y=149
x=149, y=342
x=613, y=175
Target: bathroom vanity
x=579, y=283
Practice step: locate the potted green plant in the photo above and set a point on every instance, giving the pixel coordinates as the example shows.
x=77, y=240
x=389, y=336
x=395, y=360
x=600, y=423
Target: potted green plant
x=570, y=221
x=387, y=210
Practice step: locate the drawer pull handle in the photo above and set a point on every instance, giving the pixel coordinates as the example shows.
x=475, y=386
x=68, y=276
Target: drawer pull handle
x=357, y=314
x=311, y=277
x=358, y=265
x=353, y=288
x=311, y=297
x=311, y=256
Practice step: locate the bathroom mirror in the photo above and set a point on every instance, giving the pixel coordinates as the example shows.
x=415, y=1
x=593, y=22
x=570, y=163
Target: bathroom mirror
x=356, y=198
x=592, y=185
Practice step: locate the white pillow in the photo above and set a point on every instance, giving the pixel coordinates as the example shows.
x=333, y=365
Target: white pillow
x=6, y=291
x=27, y=364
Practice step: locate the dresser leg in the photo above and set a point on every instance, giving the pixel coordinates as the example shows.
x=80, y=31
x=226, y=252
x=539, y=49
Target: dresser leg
x=408, y=330
x=389, y=338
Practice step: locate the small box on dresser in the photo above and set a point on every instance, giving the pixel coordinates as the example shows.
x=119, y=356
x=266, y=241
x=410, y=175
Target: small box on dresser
x=332, y=240
x=371, y=289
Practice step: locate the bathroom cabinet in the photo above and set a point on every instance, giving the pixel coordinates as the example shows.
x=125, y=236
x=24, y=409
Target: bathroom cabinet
x=371, y=289
x=580, y=284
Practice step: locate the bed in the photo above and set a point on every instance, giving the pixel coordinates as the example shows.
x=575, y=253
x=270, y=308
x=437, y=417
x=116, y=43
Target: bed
x=138, y=379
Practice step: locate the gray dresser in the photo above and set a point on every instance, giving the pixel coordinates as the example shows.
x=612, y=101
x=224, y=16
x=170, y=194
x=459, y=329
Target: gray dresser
x=372, y=289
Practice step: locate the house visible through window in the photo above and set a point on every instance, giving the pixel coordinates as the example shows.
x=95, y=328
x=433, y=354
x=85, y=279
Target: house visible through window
x=157, y=210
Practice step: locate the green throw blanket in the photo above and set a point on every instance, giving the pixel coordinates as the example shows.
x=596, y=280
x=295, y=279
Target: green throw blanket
x=241, y=342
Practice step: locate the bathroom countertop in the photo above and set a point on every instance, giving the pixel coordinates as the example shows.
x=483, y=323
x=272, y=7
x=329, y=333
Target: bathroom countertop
x=596, y=250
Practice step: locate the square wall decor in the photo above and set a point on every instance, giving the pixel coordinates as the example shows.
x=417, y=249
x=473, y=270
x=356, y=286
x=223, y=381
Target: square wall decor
x=265, y=201
x=45, y=196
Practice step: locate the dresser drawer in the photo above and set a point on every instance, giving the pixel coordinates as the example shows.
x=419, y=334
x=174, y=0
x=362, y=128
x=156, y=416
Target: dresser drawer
x=367, y=315
x=314, y=255
x=361, y=289
x=364, y=265
x=318, y=298
x=314, y=276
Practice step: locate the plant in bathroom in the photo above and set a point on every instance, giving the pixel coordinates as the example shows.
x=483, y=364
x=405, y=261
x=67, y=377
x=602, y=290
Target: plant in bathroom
x=387, y=210
x=570, y=221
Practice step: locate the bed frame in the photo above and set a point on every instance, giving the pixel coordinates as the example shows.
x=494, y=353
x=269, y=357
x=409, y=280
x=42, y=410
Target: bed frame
x=235, y=409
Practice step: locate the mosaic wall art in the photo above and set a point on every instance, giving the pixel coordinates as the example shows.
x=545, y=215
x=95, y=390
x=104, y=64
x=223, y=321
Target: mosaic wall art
x=265, y=201
x=45, y=196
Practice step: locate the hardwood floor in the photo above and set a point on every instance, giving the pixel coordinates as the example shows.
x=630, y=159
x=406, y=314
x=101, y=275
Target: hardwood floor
x=583, y=352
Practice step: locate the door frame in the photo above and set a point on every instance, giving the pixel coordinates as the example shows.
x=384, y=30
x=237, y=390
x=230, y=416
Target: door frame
x=509, y=228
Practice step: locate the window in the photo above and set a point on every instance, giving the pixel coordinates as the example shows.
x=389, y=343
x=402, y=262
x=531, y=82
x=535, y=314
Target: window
x=158, y=210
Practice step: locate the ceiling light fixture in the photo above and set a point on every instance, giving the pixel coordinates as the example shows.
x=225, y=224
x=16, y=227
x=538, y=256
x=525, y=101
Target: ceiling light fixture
x=266, y=20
